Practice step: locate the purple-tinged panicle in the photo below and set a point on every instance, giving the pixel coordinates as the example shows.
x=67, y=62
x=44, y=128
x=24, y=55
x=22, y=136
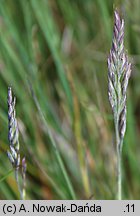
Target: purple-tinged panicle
x=119, y=71
x=117, y=20
x=13, y=154
x=118, y=28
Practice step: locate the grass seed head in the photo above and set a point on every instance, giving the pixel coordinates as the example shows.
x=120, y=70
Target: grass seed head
x=13, y=133
x=119, y=71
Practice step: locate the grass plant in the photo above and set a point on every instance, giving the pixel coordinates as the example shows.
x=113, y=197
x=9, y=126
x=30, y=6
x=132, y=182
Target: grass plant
x=65, y=124
x=119, y=71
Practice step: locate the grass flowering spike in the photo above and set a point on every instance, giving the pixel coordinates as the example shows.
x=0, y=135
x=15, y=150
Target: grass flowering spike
x=13, y=154
x=119, y=71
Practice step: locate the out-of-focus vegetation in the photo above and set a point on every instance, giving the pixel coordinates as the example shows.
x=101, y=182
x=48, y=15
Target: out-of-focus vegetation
x=53, y=53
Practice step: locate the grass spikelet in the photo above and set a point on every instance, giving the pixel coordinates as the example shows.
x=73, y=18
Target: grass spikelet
x=14, y=152
x=119, y=71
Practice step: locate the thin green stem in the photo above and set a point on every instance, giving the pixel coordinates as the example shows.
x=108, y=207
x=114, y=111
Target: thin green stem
x=24, y=188
x=119, y=174
x=18, y=183
x=56, y=151
x=6, y=175
x=119, y=144
x=46, y=175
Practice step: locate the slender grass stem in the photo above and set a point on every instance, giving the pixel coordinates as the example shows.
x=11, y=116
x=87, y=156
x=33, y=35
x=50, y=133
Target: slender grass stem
x=119, y=175
x=6, y=175
x=45, y=174
x=18, y=184
x=56, y=151
x=78, y=137
x=119, y=144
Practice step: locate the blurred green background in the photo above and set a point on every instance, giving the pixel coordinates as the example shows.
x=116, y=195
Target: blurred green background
x=53, y=53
